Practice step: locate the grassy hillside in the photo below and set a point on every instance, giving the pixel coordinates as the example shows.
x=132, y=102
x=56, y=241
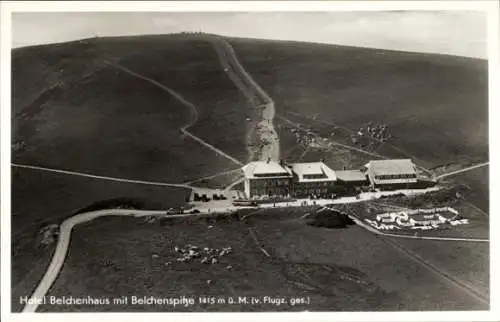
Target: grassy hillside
x=434, y=105
x=339, y=269
x=477, y=181
x=72, y=111
x=41, y=198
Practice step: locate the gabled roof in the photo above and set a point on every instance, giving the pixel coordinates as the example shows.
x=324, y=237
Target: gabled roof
x=388, y=167
x=350, y=175
x=313, y=168
x=377, y=168
x=265, y=169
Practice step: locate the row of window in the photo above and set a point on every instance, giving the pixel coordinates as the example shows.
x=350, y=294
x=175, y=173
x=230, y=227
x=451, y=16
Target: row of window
x=306, y=191
x=264, y=175
x=284, y=182
x=314, y=176
x=314, y=184
x=395, y=176
x=270, y=192
x=270, y=183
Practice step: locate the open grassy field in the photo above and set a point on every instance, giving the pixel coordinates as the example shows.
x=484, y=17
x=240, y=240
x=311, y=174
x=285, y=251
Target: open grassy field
x=107, y=122
x=40, y=199
x=72, y=111
x=338, y=269
x=478, y=182
x=434, y=105
x=465, y=261
x=449, y=257
x=191, y=67
x=336, y=157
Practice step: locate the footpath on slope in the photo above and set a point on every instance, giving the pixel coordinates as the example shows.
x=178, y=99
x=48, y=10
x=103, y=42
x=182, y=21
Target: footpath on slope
x=265, y=131
x=267, y=139
x=88, y=175
x=444, y=175
x=192, y=108
x=66, y=227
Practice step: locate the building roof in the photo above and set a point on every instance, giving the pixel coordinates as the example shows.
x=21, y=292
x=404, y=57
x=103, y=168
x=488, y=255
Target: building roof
x=389, y=167
x=303, y=170
x=378, y=168
x=264, y=169
x=350, y=175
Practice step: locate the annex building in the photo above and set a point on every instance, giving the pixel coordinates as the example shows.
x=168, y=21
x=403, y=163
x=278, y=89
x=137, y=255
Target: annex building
x=392, y=174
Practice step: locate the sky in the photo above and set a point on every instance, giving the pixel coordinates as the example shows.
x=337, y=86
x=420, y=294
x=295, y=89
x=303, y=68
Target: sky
x=461, y=33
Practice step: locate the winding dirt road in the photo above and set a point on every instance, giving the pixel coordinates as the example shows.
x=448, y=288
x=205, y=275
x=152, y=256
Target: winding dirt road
x=266, y=133
x=65, y=238
x=67, y=226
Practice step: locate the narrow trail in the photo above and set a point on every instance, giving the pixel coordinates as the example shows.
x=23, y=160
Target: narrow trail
x=213, y=176
x=270, y=114
x=66, y=227
x=462, y=170
x=337, y=144
x=64, y=240
x=192, y=108
x=301, y=157
x=231, y=186
x=465, y=287
x=213, y=148
x=257, y=243
x=350, y=131
x=89, y=175
x=265, y=130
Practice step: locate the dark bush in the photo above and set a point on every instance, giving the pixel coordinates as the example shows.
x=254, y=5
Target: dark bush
x=329, y=219
x=119, y=203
